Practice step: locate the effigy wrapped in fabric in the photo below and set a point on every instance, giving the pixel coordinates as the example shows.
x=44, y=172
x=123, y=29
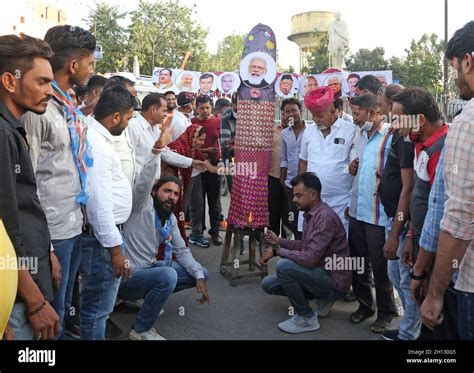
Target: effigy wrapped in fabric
x=254, y=132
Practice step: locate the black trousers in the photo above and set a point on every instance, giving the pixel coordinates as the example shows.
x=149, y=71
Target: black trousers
x=211, y=190
x=367, y=241
x=277, y=206
x=448, y=330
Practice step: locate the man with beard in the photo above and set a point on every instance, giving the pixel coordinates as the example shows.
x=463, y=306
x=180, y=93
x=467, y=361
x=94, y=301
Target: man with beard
x=110, y=204
x=152, y=232
x=304, y=272
x=456, y=237
x=25, y=84
x=368, y=219
x=171, y=103
x=256, y=74
x=60, y=153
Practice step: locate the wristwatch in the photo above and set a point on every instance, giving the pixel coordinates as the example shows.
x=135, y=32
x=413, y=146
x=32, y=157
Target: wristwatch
x=415, y=277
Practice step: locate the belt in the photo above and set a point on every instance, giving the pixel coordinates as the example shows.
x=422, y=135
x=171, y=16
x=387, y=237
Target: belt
x=90, y=230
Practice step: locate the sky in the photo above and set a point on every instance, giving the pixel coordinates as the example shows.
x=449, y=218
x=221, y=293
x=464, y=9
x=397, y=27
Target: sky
x=371, y=23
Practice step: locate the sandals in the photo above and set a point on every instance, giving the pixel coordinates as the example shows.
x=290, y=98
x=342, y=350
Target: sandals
x=380, y=326
x=360, y=315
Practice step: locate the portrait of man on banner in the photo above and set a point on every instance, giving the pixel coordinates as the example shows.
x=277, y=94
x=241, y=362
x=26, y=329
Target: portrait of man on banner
x=187, y=81
x=207, y=84
x=228, y=83
x=308, y=84
x=258, y=70
x=286, y=86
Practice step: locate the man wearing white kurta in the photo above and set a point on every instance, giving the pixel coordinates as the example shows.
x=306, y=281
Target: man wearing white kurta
x=326, y=149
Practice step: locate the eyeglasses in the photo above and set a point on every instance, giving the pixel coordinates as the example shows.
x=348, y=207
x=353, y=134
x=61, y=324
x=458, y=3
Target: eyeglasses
x=381, y=91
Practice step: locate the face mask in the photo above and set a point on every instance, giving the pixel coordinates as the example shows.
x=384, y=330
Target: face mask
x=367, y=126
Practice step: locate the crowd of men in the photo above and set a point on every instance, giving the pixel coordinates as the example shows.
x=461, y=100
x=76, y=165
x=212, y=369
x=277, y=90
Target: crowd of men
x=99, y=188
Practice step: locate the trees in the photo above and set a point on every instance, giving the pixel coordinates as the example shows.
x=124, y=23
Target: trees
x=367, y=60
x=319, y=59
x=104, y=23
x=162, y=32
x=423, y=64
x=159, y=33
x=229, y=53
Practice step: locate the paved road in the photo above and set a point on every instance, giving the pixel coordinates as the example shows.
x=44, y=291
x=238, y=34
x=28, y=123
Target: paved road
x=241, y=313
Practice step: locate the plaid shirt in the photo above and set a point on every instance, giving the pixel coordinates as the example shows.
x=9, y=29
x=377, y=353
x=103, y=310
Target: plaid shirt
x=227, y=132
x=458, y=219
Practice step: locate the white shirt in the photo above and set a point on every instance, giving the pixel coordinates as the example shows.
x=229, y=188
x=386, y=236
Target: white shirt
x=329, y=159
x=110, y=201
x=143, y=137
x=126, y=153
x=179, y=123
x=360, y=141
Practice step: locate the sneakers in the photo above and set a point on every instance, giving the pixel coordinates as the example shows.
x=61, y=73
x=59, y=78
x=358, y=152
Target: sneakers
x=216, y=240
x=149, y=335
x=199, y=241
x=299, y=324
x=391, y=335
x=324, y=306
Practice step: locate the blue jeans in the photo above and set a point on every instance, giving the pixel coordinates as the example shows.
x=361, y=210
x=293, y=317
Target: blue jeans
x=19, y=323
x=68, y=253
x=410, y=326
x=466, y=315
x=154, y=285
x=301, y=284
x=99, y=288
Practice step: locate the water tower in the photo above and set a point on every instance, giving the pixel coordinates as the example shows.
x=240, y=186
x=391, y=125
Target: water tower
x=307, y=29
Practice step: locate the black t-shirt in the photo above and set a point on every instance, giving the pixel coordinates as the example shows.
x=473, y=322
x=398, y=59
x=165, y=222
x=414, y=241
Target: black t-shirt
x=20, y=208
x=401, y=155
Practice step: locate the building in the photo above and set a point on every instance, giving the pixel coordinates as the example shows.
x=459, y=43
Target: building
x=307, y=29
x=31, y=17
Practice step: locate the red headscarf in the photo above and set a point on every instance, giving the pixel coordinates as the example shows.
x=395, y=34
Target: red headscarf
x=319, y=100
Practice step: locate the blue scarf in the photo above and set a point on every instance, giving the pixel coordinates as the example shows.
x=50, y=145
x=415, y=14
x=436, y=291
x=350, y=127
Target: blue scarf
x=80, y=147
x=166, y=235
